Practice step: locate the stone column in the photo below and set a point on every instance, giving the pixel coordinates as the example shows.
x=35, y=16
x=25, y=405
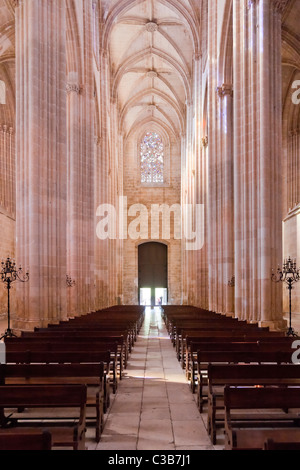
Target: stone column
x=257, y=159
x=200, y=186
x=220, y=254
x=103, y=175
x=7, y=170
x=41, y=154
x=81, y=217
x=225, y=94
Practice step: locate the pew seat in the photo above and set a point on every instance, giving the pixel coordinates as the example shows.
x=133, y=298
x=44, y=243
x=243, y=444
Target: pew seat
x=40, y=403
x=91, y=375
x=27, y=440
x=66, y=356
x=270, y=444
x=242, y=375
x=254, y=415
x=192, y=348
x=232, y=357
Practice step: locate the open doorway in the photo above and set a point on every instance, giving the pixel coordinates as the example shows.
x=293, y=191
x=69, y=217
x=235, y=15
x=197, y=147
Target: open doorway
x=161, y=296
x=145, y=296
x=153, y=274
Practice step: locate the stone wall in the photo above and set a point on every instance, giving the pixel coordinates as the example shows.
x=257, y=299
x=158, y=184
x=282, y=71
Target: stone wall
x=7, y=248
x=169, y=193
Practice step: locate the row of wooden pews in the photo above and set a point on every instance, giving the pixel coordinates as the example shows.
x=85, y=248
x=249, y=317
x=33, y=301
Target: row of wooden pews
x=61, y=378
x=243, y=376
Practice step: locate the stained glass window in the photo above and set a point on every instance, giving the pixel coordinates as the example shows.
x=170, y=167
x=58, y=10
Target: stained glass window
x=152, y=159
x=2, y=92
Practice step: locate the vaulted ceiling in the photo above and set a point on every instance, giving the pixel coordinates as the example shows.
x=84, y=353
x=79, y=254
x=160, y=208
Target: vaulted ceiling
x=291, y=61
x=7, y=60
x=152, y=44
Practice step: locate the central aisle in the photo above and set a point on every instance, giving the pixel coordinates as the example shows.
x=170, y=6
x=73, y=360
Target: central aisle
x=154, y=408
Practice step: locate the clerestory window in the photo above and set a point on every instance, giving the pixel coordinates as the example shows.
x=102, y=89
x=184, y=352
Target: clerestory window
x=152, y=159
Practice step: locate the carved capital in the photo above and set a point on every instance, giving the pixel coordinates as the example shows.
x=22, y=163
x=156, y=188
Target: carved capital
x=204, y=141
x=74, y=88
x=251, y=3
x=6, y=129
x=224, y=90
x=279, y=5
x=293, y=132
x=97, y=140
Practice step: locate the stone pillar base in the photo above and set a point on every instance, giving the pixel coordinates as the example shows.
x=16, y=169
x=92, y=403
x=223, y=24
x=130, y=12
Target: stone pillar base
x=278, y=325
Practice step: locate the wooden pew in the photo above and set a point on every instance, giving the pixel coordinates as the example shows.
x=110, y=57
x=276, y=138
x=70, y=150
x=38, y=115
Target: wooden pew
x=231, y=357
x=270, y=444
x=91, y=375
x=192, y=348
x=242, y=375
x=278, y=417
x=208, y=324
x=67, y=431
x=214, y=335
x=174, y=314
x=82, y=336
x=91, y=331
x=62, y=357
x=68, y=344
x=109, y=320
x=29, y=440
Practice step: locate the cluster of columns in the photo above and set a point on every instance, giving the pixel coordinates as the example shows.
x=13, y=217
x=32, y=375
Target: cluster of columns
x=232, y=166
x=293, y=176
x=57, y=160
x=257, y=159
x=241, y=159
x=41, y=153
x=7, y=170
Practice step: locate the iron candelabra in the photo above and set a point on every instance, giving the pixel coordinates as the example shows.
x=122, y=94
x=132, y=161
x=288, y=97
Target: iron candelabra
x=10, y=274
x=289, y=274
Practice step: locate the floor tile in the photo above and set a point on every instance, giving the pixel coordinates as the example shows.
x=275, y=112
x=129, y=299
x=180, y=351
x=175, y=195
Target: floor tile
x=154, y=408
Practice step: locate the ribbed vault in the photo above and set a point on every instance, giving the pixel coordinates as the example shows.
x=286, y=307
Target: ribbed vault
x=151, y=46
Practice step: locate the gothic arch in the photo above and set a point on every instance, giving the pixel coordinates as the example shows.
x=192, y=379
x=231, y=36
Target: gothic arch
x=153, y=92
x=8, y=109
x=150, y=52
x=155, y=123
x=226, y=46
x=174, y=4
x=73, y=46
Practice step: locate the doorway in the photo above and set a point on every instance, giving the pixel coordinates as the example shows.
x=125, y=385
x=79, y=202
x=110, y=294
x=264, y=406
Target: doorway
x=153, y=274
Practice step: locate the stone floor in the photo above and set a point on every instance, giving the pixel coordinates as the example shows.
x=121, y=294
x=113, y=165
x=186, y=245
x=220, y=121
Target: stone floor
x=154, y=408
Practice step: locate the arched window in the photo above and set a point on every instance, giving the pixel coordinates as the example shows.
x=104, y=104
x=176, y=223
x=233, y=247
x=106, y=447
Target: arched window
x=2, y=92
x=95, y=29
x=152, y=159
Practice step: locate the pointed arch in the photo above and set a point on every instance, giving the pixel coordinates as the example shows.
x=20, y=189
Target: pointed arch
x=121, y=8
